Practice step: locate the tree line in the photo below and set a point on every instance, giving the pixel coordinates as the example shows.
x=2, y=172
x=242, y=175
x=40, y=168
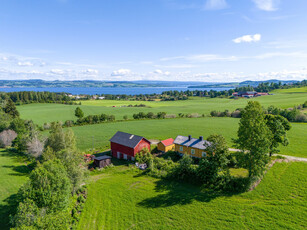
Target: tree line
x=27, y=97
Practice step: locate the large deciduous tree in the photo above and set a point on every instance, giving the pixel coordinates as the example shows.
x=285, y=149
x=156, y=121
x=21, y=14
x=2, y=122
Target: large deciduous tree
x=254, y=138
x=279, y=126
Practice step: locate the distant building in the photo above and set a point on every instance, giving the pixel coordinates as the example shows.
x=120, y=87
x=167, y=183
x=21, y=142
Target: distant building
x=126, y=146
x=248, y=94
x=101, y=98
x=191, y=146
x=166, y=145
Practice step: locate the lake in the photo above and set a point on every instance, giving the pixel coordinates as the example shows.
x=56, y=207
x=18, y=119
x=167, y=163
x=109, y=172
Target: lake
x=109, y=90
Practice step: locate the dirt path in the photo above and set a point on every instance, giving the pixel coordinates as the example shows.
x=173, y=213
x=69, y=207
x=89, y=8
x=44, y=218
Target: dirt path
x=290, y=158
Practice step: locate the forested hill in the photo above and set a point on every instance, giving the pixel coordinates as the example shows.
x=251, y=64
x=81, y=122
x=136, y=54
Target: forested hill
x=37, y=83
x=243, y=84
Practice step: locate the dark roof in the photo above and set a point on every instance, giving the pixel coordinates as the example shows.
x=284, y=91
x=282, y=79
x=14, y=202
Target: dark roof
x=193, y=142
x=127, y=139
x=102, y=158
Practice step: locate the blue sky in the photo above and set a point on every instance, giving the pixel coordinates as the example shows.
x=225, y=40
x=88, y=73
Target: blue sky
x=184, y=40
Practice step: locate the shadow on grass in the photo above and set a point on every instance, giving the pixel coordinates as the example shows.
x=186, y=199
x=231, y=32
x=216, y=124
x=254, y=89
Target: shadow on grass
x=179, y=193
x=7, y=209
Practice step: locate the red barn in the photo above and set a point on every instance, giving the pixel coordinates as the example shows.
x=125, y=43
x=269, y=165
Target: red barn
x=126, y=146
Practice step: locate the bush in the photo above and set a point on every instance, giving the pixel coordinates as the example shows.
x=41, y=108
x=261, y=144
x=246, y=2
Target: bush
x=301, y=118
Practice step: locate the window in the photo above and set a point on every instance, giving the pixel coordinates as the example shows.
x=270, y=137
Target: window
x=203, y=154
x=192, y=151
x=181, y=148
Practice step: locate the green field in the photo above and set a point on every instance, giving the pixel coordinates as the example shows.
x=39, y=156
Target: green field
x=41, y=113
x=292, y=90
x=98, y=135
x=13, y=173
x=125, y=200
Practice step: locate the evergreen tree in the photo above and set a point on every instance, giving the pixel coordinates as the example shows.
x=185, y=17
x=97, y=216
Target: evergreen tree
x=10, y=109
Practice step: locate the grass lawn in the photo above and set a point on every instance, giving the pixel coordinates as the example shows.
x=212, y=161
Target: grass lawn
x=13, y=173
x=126, y=200
x=41, y=113
x=99, y=135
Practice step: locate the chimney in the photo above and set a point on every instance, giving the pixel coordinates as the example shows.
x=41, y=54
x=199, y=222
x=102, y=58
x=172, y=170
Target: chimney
x=190, y=137
x=201, y=138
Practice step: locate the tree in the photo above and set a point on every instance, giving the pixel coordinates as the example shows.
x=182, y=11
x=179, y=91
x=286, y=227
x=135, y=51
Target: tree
x=279, y=126
x=10, y=109
x=254, y=138
x=49, y=186
x=35, y=147
x=7, y=137
x=79, y=113
x=59, y=139
x=214, y=165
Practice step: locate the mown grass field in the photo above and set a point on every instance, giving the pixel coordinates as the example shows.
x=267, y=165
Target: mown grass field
x=41, y=113
x=98, y=135
x=13, y=174
x=124, y=200
x=292, y=90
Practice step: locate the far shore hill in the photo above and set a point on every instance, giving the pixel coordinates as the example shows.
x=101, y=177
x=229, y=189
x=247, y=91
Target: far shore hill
x=38, y=83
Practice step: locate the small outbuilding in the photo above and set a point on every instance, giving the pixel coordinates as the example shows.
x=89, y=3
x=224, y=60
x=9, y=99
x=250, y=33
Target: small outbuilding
x=102, y=161
x=166, y=145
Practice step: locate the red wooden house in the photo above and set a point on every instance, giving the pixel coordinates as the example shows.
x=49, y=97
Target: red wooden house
x=126, y=146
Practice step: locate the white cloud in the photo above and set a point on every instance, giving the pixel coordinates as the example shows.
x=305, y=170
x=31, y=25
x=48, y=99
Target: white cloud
x=201, y=58
x=215, y=4
x=91, y=71
x=267, y=5
x=248, y=38
x=160, y=72
x=121, y=72
x=26, y=63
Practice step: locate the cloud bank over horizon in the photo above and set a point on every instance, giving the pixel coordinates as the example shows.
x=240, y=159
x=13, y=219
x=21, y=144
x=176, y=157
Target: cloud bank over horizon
x=196, y=40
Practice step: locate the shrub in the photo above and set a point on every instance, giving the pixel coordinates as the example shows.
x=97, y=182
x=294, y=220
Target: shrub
x=7, y=137
x=301, y=117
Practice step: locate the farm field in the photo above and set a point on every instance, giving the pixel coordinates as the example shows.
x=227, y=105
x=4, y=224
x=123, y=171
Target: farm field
x=41, y=113
x=98, y=135
x=292, y=90
x=13, y=174
x=119, y=199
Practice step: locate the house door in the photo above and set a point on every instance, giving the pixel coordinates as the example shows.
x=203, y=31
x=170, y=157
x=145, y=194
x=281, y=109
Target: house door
x=118, y=155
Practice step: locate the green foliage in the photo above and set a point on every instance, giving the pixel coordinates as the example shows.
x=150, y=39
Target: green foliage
x=10, y=109
x=79, y=113
x=60, y=139
x=278, y=126
x=254, y=137
x=49, y=186
x=144, y=156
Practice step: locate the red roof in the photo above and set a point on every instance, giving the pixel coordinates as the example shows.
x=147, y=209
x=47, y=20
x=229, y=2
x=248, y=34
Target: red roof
x=168, y=142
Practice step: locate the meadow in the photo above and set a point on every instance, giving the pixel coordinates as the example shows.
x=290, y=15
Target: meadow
x=124, y=199
x=13, y=174
x=98, y=135
x=41, y=113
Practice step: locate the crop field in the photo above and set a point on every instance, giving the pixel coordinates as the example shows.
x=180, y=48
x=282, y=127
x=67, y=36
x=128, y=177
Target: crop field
x=98, y=135
x=119, y=199
x=41, y=113
x=292, y=90
x=13, y=173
